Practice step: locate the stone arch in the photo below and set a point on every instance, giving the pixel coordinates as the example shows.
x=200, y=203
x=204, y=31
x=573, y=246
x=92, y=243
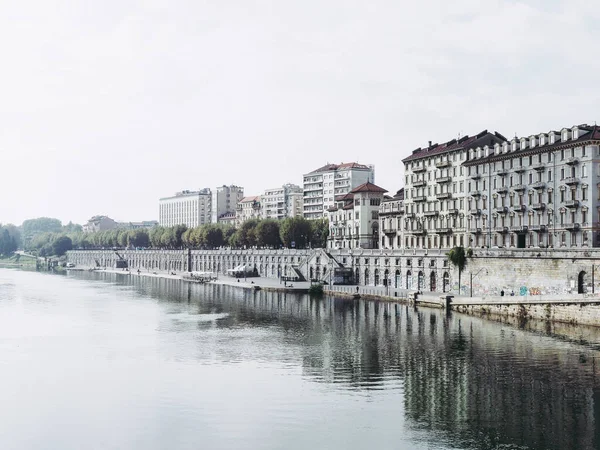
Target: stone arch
x=432, y=284
x=445, y=282
x=408, y=280
x=398, y=280
x=581, y=282
x=366, y=277
x=421, y=280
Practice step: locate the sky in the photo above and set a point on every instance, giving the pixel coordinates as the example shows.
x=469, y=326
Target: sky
x=107, y=106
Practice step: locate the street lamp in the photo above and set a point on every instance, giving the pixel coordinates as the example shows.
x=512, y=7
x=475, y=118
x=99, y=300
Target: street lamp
x=471, y=273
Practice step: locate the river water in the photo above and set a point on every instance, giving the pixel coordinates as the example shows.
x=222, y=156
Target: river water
x=94, y=360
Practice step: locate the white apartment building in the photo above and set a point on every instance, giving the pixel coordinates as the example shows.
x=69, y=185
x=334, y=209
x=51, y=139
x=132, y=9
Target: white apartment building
x=248, y=208
x=225, y=200
x=391, y=218
x=279, y=203
x=190, y=208
x=323, y=185
x=354, y=220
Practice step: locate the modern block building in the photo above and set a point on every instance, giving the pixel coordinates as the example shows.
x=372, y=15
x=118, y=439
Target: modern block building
x=279, y=203
x=190, y=208
x=225, y=200
x=323, y=185
x=539, y=190
x=353, y=221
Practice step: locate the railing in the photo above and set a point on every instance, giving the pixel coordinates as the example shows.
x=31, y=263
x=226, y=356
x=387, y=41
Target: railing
x=572, y=203
x=538, y=185
x=501, y=209
x=502, y=190
x=475, y=212
x=419, y=168
x=571, y=181
x=539, y=206
x=419, y=198
x=571, y=226
x=573, y=161
x=519, y=187
x=443, y=195
x=441, y=180
x=442, y=164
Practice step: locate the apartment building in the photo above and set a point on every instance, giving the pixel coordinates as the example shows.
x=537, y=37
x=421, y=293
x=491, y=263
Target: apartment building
x=225, y=200
x=354, y=219
x=391, y=221
x=539, y=190
x=279, y=203
x=248, y=208
x=436, y=194
x=535, y=191
x=190, y=208
x=323, y=185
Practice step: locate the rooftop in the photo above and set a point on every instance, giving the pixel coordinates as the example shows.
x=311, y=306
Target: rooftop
x=331, y=167
x=367, y=187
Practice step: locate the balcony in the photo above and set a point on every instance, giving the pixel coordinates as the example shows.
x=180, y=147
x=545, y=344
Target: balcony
x=419, y=183
x=571, y=181
x=477, y=231
x=419, y=198
x=520, y=208
x=453, y=211
x=475, y=212
x=501, y=172
x=431, y=213
x=419, y=232
x=519, y=187
x=389, y=230
x=443, y=230
x=519, y=169
x=572, y=203
x=391, y=212
x=502, y=230
x=518, y=228
x=539, y=206
x=538, y=185
x=573, y=161
x=443, y=195
x=539, y=228
x=476, y=176
x=501, y=209
x=572, y=226
x=539, y=167
x=444, y=180
x=442, y=164
x=475, y=193
x=502, y=190
x=409, y=215
x=419, y=168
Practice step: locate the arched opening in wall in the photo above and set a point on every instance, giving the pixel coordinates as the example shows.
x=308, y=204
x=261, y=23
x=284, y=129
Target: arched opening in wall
x=421, y=280
x=386, y=278
x=366, y=277
x=432, y=282
x=581, y=282
x=445, y=282
x=398, y=280
x=376, y=277
x=408, y=280
x=312, y=272
x=318, y=271
x=357, y=276
x=260, y=269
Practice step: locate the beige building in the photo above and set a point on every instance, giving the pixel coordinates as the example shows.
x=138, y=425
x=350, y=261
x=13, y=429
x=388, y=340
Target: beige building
x=99, y=223
x=354, y=220
x=225, y=200
x=391, y=221
x=190, y=208
x=248, y=208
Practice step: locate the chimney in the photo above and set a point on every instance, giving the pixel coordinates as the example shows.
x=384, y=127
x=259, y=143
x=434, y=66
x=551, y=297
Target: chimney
x=429, y=144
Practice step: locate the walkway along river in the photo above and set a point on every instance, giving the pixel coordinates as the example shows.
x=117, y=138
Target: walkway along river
x=102, y=360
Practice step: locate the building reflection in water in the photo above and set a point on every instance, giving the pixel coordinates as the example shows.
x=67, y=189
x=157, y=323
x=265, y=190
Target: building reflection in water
x=480, y=384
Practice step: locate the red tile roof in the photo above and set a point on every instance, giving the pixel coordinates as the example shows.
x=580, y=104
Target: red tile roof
x=367, y=187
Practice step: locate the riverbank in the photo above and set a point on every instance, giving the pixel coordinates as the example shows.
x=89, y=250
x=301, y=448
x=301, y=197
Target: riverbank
x=18, y=261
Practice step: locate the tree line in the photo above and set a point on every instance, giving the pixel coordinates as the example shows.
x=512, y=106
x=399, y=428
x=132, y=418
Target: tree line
x=266, y=233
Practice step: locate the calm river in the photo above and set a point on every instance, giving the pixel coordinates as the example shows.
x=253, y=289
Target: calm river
x=104, y=361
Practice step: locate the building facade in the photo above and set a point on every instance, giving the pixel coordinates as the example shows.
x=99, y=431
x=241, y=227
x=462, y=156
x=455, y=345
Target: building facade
x=391, y=221
x=279, y=203
x=323, y=185
x=486, y=191
x=99, y=223
x=190, y=208
x=248, y=208
x=145, y=224
x=225, y=200
x=353, y=221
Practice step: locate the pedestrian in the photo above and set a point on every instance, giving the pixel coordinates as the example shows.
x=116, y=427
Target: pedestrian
x=357, y=289
x=502, y=293
x=512, y=293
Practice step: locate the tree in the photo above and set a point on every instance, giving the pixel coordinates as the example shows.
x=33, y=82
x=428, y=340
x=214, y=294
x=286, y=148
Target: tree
x=178, y=231
x=61, y=245
x=246, y=233
x=8, y=244
x=296, y=230
x=32, y=227
x=156, y=236
x=319, y=232
x=267, y=233
x=458, y=258
x=138, y=238
x=213, y=236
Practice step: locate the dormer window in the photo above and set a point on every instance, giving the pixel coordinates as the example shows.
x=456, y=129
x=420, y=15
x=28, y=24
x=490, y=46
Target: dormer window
x=496, y=148
x=505, y=147
x=565, y=134
x=532, y=141
x=542, y=139
x=523, y=144
x=552, y=137
x=575, y=133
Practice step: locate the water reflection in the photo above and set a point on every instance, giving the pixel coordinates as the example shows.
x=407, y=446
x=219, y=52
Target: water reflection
x=206, y=360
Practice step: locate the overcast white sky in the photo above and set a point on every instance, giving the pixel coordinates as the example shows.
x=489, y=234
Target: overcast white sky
x=105, y=106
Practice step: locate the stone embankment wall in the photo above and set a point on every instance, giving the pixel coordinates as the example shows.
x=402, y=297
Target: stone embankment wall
x=522, y=272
